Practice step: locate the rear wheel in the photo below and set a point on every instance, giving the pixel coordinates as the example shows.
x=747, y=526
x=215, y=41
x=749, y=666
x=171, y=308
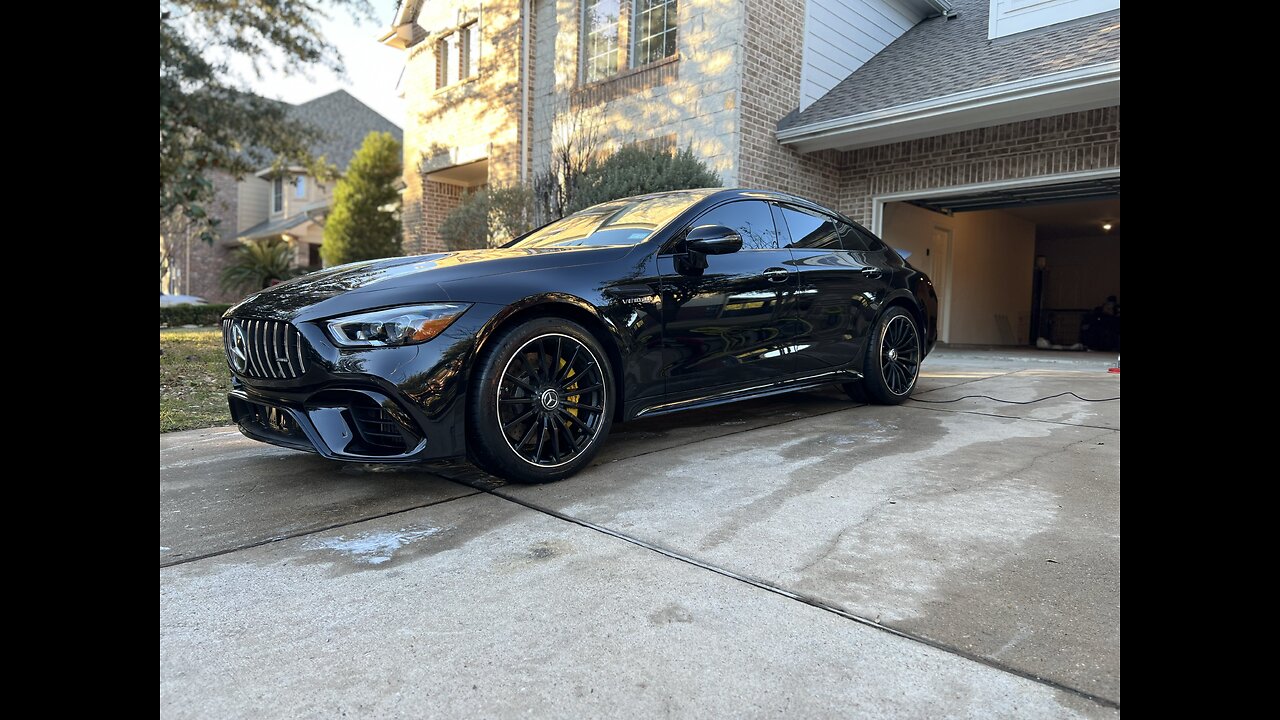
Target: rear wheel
x=892, y=364
x=542, y=404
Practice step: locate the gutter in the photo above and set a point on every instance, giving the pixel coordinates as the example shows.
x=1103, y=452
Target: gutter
x=990, y=95
x=524, y=91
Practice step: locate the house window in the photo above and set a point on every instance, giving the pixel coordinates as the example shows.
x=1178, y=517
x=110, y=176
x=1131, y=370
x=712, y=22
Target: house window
x=606, y=25
x=469, y=46
x=458, y=55
x=277, y=194
x=600, y=49
x=655, y=31
x=300, y=187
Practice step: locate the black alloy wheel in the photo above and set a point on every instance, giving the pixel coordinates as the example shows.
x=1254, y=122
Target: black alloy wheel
x=892, y=363
x=550, y=400
x=900, y=355
x=543, y=404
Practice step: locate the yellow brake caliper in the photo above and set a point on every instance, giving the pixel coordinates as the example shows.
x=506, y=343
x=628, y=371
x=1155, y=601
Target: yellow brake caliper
x=569, y=398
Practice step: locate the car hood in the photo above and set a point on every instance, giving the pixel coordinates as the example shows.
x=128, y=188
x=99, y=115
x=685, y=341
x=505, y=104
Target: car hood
x=404, y=280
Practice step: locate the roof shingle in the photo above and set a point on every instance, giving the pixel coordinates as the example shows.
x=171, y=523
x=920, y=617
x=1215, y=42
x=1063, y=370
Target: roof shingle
x=943, y=56
x=343, y=121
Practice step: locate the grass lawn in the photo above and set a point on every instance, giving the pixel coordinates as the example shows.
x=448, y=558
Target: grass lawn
x=193, y=379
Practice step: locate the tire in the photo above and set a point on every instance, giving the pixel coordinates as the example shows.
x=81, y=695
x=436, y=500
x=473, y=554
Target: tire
x=891, y=366
x=529, y=424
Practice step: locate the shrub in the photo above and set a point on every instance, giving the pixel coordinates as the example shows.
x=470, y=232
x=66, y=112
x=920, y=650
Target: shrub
x=364, y=224
x=255, y=264
x=179, y=315
x=634, y=170
x=488, y=218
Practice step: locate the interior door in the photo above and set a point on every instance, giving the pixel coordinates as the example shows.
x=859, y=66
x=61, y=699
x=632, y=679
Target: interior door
x=732, y=323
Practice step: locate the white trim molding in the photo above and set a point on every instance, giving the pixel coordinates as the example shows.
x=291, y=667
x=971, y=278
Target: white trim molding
x=1066, y=91
x=879, y=201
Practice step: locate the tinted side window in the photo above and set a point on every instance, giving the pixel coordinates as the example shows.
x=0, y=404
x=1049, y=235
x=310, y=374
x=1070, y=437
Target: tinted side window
x=752, y=220
x=855, y=237
x=810, y=230
x=851, y=239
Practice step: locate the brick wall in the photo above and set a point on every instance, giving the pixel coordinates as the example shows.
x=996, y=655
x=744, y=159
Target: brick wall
x=196, y=266
x=1073, y=142
x=692, y=95
x=771, y=65
x=439, y=199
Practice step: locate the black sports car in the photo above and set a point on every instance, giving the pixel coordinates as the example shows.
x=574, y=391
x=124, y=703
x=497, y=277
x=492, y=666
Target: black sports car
x=522, y=357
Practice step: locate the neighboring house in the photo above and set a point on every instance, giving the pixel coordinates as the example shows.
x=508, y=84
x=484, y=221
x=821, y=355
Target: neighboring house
x=292, y=205
x=983, y=136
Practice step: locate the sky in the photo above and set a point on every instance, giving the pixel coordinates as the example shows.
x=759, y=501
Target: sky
x=373, y=69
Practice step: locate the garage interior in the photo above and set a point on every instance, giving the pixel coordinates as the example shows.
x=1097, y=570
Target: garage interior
x=1034, y=266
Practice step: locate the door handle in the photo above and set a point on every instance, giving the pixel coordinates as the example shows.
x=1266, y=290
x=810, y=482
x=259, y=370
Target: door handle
x=872, y=273
x=776, y=274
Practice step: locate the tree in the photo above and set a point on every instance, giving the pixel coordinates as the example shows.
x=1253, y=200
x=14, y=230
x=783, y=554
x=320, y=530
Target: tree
x=208, y=122
x=255, y=264
x=633, y=170
x=488, y=217
x=365, y=223
x=577, y=136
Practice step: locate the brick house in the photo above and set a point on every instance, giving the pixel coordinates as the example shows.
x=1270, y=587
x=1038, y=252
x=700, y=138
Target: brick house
x=981, y=136
x=292, y=205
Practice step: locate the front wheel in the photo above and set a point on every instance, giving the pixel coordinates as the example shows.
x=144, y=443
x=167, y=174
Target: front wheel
x=892, y=363
x=542, y=404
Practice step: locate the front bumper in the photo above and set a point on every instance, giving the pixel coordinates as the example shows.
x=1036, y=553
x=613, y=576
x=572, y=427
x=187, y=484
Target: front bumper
x=384, y=405
x=349, y=425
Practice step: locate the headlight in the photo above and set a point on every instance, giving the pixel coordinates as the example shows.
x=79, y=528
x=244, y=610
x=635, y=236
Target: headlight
x=395, y=326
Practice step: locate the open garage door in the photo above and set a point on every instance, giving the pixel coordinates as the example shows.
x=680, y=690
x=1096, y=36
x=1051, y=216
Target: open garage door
x=1015, y=266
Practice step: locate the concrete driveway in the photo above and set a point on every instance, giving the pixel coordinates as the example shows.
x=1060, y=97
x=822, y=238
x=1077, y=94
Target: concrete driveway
x=799, y=555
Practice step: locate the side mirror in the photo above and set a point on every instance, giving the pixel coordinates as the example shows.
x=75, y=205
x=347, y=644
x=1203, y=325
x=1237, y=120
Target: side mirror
x=713, y=240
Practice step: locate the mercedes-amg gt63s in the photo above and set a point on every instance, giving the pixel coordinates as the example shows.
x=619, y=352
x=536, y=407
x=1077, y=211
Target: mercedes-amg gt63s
x=521, y=358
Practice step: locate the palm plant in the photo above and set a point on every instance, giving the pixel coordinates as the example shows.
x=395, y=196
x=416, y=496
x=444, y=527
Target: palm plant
x=256, y=264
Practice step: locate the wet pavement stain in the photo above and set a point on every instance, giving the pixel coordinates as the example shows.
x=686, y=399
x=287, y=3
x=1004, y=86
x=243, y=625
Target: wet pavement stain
x=673, y=613
x=371, y=548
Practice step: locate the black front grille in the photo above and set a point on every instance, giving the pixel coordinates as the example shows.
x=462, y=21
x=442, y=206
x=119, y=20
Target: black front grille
x=268, y=349
x=379, y=428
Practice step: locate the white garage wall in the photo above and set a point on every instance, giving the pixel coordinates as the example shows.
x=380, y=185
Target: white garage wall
x=993, y=254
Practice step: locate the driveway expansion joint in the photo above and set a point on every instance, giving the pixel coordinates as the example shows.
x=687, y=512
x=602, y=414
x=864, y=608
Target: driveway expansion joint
x=798, y=597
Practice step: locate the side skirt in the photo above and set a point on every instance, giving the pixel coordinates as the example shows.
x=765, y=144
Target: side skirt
x=750, y=393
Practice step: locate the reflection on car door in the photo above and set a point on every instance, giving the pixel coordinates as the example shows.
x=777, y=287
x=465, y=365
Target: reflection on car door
x=734, y=324
x=839, y=285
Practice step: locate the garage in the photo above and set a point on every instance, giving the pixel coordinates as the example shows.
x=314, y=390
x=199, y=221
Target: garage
x=1034, y=264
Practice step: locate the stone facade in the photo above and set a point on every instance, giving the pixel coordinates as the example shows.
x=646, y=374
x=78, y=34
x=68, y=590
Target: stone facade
x=687, y=100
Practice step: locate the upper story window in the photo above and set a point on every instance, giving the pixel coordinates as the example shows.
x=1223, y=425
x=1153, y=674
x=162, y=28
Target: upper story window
x=655, y=31
x=620, y=34
x=458, y=55
x=300, y=187
x=600, y=21
x=277, y=195
x=469, y=45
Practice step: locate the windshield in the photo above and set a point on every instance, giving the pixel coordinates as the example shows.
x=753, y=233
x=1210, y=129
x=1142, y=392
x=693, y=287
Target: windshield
x=620, y=222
